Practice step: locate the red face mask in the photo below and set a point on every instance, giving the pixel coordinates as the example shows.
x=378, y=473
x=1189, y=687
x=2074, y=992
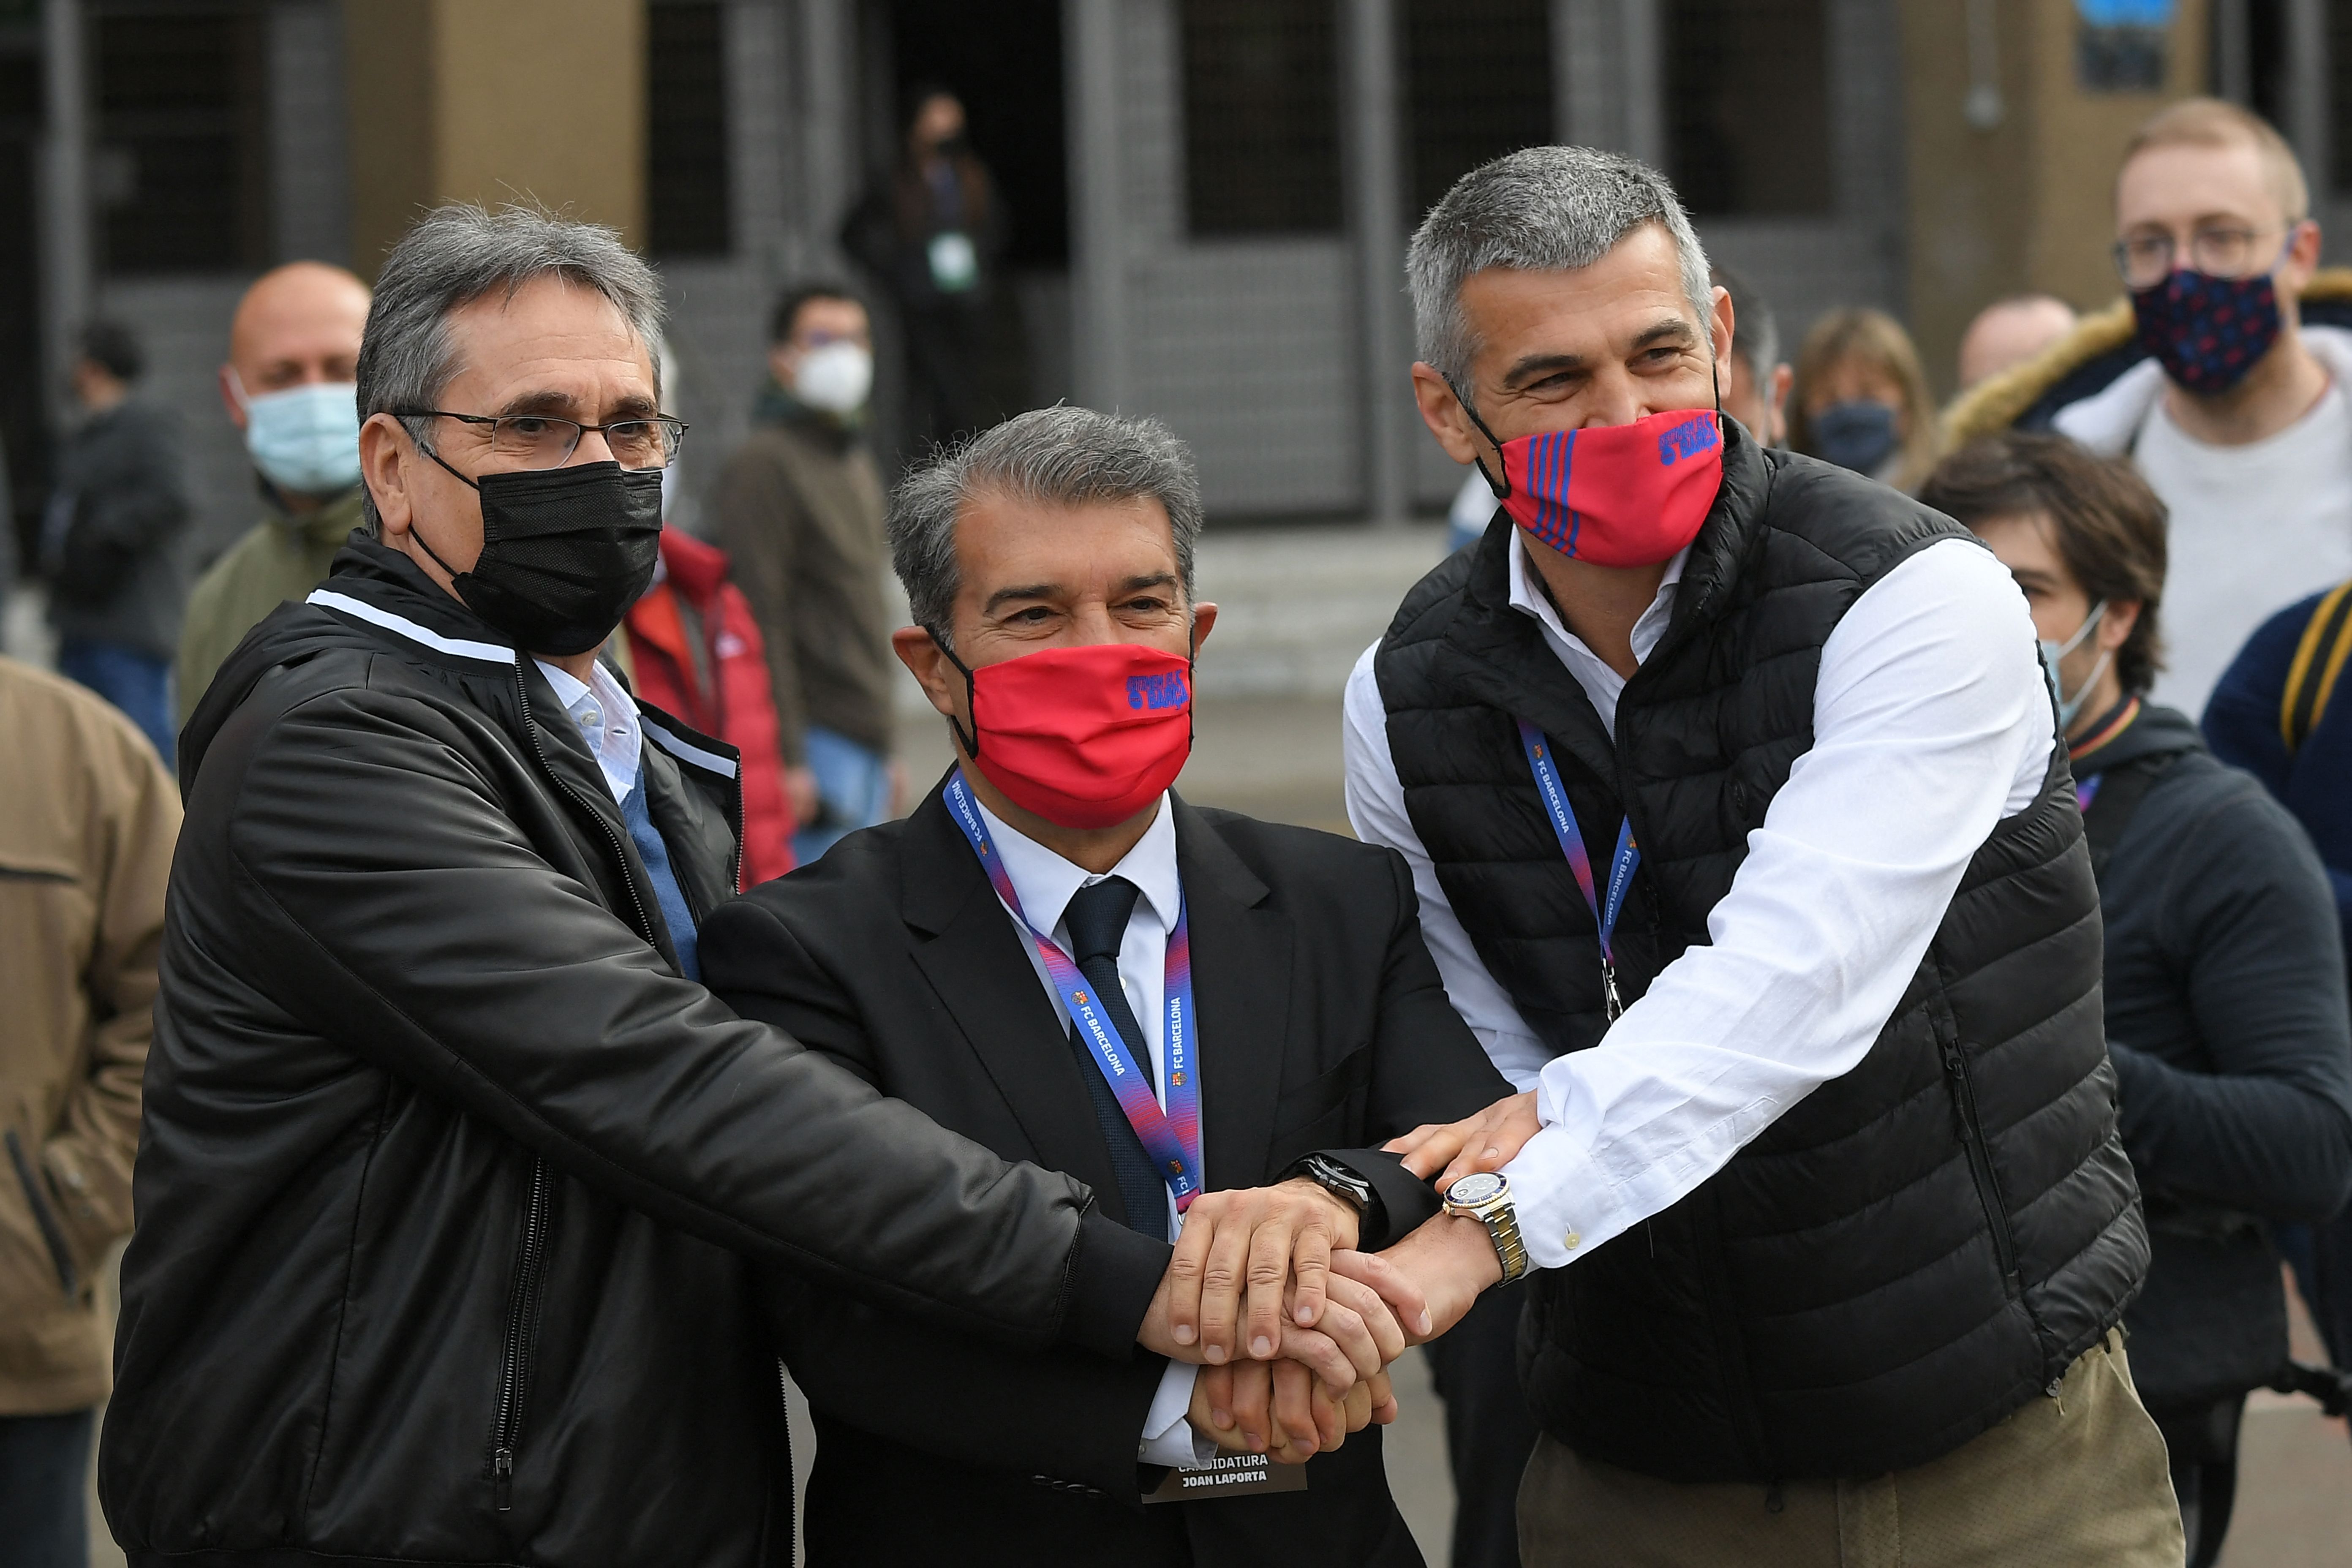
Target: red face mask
x=1615, y=495
x=1085, y=736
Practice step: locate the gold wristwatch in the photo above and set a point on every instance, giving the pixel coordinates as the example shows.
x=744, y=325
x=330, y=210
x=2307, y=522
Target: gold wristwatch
x=1487, y=1197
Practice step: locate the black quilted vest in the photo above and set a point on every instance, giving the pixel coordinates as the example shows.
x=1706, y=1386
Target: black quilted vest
x=1915, y=1249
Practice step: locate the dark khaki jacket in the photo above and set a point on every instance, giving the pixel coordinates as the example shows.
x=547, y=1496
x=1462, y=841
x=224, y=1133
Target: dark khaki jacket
x=799, y=512
x=281, y=557
x=88, y=818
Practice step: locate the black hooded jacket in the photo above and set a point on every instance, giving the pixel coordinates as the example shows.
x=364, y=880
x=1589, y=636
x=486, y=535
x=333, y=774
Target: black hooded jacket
x=449, y=1183
x=2226, y=1019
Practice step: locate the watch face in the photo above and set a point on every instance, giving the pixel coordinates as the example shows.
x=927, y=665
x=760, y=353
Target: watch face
x=1476, y=1188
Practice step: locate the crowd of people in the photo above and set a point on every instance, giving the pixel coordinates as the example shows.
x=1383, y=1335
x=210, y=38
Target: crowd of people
x=1833, y=1027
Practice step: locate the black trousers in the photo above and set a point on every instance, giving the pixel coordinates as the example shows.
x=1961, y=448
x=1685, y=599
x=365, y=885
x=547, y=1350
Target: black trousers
x=1488, y=1432
x=2204, y=1445
x=43, y=1467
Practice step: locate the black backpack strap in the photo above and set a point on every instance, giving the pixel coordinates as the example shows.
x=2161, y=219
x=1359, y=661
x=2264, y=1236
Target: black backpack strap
x=2318, y=660
x=2121, y=789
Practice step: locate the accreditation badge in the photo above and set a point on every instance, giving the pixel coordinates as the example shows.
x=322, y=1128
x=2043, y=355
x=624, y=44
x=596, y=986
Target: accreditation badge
x=1229, y=1475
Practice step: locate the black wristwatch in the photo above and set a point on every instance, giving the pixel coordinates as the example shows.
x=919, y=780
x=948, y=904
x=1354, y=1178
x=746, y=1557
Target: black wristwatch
x=1335, y=1178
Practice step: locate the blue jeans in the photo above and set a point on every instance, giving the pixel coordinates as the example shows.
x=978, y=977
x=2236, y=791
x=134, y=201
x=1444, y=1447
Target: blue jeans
x=138, y=683
x=853, y=791
x=44, y=1469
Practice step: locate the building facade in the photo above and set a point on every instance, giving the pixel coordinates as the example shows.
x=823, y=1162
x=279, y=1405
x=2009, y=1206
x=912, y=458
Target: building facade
x=1209, y=198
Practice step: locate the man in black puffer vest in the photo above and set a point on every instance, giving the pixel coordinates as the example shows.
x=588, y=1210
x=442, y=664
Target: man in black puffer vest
x=1832, y=1226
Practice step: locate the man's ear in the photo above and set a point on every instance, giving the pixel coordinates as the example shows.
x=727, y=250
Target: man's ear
x=1441, y=411
x=227, y=380
x=1204, y=621
x=928, y=663
x=384, y=452
x=2301, y=258
x=1721, y=327
x=2116, y=625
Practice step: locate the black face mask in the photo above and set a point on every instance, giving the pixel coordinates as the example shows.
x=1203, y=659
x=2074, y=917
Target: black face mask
x=565, y=552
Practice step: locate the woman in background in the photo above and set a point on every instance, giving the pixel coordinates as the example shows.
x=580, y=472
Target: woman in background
x=1862, y=401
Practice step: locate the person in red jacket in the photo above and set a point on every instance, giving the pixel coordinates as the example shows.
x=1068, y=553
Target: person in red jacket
x=691, y=648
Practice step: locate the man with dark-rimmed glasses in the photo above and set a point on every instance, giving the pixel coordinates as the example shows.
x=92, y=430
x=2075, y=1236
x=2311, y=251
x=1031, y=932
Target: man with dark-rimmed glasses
x=452, y=1176
x=2222, y=378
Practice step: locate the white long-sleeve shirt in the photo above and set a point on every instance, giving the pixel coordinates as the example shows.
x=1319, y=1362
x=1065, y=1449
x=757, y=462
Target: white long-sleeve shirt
x=1931, y=722
x=1046, y=882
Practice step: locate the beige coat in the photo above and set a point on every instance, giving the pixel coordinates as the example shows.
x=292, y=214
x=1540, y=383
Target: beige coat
x=87, y=819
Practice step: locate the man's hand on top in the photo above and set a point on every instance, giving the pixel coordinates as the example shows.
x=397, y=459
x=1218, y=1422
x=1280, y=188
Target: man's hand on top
x=1445, y=1152
x=1269, y=1241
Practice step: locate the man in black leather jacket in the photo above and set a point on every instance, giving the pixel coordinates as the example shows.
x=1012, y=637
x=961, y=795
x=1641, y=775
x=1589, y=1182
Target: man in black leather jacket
x=451, y=1172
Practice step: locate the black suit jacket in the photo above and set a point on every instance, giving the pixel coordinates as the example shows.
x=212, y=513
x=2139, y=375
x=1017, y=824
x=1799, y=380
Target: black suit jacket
x=1323, y=1026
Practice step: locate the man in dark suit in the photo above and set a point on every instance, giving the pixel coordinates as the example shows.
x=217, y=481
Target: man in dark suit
x=1038, y=930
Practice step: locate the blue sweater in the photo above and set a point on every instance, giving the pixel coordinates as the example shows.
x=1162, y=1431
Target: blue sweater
x=2241, y=726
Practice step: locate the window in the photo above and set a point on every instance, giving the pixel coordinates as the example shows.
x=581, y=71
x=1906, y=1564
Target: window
x=687, y=206
x=1261, y=117
x=1747, y=96
x=1478, y=76
x=180, y=172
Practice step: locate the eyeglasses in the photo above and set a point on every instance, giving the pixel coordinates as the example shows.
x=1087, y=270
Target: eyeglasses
x=538, y=441
x=2147, y=259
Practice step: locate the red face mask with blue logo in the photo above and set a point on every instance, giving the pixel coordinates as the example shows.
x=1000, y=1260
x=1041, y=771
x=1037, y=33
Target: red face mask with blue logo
x=1615, y=495
x=1084, y=737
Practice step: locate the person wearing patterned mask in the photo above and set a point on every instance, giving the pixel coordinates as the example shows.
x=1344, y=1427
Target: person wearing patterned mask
x=2222, y=377
x=293, y=352
x=1743, y=839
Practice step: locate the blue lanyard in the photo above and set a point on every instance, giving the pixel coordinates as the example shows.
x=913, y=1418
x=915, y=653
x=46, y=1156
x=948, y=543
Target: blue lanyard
x=1605, y=908
x=1170, y=1137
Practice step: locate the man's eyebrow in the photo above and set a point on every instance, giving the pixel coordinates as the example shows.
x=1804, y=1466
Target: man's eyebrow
x=1672, y=328
x=1149, y=580
x=2033, y=577
x=542, y=401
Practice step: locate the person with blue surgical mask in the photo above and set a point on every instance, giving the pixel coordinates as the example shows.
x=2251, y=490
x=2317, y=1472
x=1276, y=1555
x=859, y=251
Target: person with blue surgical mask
x=294, y=348
x=1861, y=399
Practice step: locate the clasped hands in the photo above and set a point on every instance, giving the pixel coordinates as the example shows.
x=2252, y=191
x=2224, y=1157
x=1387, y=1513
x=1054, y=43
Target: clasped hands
x=1323, y=1321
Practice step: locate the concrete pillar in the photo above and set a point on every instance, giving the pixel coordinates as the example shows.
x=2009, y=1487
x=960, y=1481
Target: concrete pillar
x=1642, y=30
x=2024, y=200
x=2307, y=118
x=309, y=139
x=1375, y=178
x=1093, y=69
x=831, y=165
x=66, y=267
x=452, y=100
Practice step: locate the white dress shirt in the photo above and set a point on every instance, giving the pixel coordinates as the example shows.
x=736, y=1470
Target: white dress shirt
x=607, y=717
x=1931, y=722
x=1046, y=883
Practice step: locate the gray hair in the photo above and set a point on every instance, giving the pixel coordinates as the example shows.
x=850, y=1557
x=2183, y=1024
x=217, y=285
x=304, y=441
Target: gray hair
x=1540, y=209
x=460, y=253
x=1049, y=457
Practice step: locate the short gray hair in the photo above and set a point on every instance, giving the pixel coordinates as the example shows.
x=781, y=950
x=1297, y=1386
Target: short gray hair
x=1049, y=457
x=1540, y=209
x=460, y=253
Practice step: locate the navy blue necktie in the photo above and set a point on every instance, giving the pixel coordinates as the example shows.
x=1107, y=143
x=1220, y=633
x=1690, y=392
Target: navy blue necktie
x=1096, y=921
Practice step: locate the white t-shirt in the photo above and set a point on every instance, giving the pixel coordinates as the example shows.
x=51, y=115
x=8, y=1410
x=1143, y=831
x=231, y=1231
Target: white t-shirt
x=2254, y=528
